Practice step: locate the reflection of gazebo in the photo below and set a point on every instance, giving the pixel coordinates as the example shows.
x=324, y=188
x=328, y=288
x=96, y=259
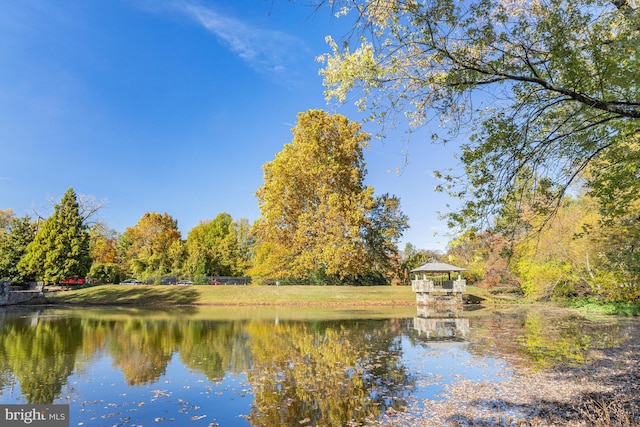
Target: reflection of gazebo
x=432, y=283
x=441, y=323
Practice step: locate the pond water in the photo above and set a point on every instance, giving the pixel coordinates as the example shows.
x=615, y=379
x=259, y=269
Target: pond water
x=218, y=366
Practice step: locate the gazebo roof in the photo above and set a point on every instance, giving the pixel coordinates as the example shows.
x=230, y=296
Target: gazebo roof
x=437, y=267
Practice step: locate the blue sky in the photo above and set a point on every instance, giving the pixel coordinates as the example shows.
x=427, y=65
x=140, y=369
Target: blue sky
x=174, y=106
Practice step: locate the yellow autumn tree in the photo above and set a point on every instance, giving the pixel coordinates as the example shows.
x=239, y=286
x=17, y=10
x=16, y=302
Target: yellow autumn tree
x=147, y=245
x=317, y=216
x=563, y=260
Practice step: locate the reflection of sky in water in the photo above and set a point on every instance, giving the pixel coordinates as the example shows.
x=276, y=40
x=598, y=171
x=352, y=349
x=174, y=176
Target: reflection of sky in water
x=433, y=354
x=436, y=363
x=99, y=396
x=179, y=397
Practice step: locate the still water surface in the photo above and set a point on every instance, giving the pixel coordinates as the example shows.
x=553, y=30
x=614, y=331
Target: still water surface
x=271, y=366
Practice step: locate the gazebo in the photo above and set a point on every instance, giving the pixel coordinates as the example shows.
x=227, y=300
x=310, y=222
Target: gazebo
x=432, y=283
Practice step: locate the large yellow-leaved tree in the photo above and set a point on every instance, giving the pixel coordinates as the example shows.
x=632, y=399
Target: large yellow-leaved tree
x=318, y=218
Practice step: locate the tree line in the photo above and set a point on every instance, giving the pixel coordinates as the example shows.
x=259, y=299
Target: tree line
x=319, y=224
x=545, y=105
x=65, y=247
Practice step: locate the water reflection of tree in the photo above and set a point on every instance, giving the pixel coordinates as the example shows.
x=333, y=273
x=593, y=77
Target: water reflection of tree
x=542, y=338
x=565, y=340
x=324, y=374
x=41, y=355
x=142, y=349
x=214, y=347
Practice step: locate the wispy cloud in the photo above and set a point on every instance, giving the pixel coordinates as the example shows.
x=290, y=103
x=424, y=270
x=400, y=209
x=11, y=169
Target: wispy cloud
x=267, y=51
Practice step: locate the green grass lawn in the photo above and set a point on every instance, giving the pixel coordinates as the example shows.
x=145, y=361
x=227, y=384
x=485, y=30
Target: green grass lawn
x=236, y=295
x=311, y=296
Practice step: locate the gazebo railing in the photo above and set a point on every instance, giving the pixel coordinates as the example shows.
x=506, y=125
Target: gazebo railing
x=428, y=285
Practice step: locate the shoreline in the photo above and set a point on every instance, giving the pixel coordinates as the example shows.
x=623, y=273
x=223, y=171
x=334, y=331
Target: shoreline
x=603, y=392
x=301, y=295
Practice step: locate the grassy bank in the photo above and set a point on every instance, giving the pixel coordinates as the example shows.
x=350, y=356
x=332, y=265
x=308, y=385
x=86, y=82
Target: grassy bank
x=236, y=295
x=592, y=305
x=312, y=296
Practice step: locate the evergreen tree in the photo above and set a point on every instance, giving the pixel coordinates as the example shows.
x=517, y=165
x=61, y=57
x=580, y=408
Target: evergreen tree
x=13, y=246
x=61, y=247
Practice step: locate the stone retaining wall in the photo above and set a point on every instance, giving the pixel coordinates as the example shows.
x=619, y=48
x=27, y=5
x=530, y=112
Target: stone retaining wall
x=9, y=297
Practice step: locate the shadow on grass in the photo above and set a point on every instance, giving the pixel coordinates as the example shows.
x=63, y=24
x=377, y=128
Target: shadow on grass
x=134, y=295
